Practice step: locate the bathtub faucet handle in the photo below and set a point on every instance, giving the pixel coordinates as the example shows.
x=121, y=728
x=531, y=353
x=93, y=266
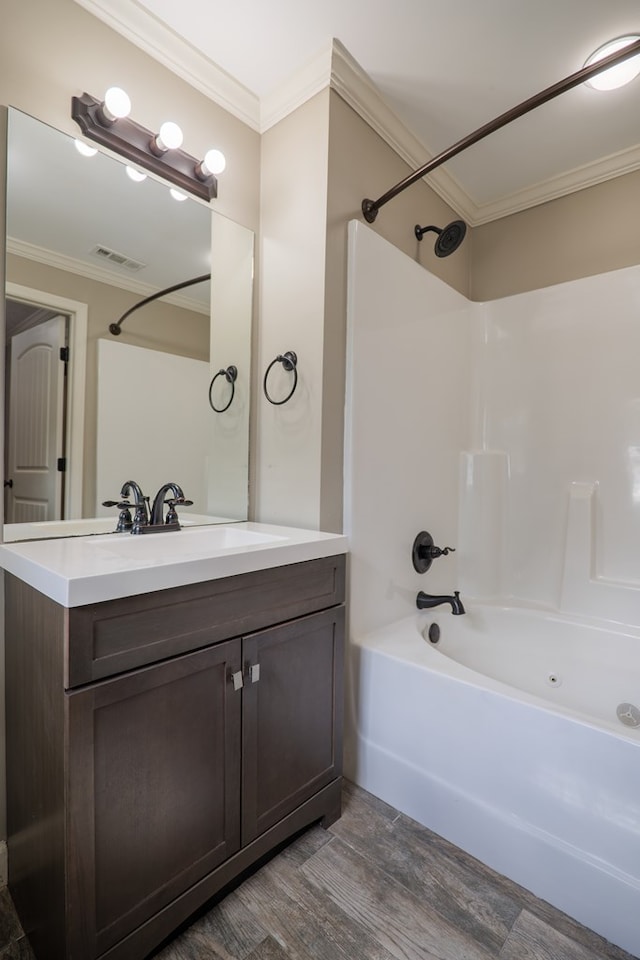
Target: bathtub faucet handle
x=424, y=551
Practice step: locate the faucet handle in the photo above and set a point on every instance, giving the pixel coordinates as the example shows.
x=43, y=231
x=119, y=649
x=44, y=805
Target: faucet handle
x=172, y=516
x=424, y=552
x=124, y=519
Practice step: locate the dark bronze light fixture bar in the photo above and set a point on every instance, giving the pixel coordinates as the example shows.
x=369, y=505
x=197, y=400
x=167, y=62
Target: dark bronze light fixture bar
x=370, y=208
x=134, y=142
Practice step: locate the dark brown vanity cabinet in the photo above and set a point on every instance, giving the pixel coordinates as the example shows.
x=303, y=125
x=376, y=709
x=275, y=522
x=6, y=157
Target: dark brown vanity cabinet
x=159, y=745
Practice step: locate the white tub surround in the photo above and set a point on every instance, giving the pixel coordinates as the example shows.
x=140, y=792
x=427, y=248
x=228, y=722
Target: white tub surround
x=535, y=396
x=545, y=793
x=82, y=570
x=408, y=400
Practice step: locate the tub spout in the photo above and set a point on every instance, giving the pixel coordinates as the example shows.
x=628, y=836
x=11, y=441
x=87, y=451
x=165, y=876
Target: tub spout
x=425, y=600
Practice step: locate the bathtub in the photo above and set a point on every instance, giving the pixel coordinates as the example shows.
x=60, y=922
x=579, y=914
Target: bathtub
x=504, y=738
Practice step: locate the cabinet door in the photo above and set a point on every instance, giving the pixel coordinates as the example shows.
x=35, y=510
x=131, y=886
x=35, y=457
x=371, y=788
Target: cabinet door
x=292, y=716
x=154, y=789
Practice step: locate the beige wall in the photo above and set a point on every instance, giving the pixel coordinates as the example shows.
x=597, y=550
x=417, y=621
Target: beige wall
x=292, y=282
x=585, y=233
x=362, y=164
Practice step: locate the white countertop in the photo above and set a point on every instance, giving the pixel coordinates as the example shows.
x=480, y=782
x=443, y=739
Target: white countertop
x=78, y=570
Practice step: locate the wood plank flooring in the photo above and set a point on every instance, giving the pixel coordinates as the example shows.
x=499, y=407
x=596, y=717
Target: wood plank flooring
x=374, y=886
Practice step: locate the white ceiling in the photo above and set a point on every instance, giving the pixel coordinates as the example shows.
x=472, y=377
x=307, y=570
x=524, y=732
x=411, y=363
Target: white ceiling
x=442, y=69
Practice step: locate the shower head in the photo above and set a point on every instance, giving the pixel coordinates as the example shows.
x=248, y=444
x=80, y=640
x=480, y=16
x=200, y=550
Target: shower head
x=449, y=237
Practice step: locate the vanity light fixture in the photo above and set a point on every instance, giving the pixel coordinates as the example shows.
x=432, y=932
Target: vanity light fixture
x=107, y=122
x=177, y=194
x=618, y=75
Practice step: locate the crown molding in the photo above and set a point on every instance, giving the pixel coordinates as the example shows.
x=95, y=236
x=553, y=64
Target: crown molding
x=146, y=31
x=305, y=83
x=588, y=175
x=357, y=89
x=59, y=261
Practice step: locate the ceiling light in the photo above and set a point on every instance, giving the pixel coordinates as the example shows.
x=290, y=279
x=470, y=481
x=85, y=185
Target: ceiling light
x=84, y=148
x=136, y=175
x=621, y=73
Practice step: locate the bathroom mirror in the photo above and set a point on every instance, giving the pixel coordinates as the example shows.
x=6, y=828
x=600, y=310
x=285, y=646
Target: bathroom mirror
x=86, y=410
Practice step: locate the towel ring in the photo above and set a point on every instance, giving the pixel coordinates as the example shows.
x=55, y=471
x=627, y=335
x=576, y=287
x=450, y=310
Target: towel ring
x=231, y=375
x=289, y=362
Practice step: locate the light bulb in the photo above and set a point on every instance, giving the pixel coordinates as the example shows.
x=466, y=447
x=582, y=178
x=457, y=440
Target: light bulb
x=170, y=136
x=214, y=161
x=178, y=194
x=136, y=175
x=85, y=149
x=621, y=73
x=116, y=104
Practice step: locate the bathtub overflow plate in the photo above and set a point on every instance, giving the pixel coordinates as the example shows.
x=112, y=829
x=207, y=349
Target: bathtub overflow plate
x=628, y=714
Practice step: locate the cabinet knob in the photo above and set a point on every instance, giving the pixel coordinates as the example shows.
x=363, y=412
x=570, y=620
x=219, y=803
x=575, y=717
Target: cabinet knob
x=236, y=679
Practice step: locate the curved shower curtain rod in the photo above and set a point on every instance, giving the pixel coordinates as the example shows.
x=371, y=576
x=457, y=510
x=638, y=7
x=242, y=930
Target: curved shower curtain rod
x=114, y=328
x=370, y=208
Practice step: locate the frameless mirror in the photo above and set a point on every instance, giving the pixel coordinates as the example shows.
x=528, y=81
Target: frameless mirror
x=85, y=410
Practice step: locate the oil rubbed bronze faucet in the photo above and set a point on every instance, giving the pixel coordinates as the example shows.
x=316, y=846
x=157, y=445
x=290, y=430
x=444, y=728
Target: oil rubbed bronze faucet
x=145, y=520
x=140, y=502
x=425, y=601
x=157, y=520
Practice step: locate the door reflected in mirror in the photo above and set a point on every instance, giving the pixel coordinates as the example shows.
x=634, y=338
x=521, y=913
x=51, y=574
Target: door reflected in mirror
x=85, y=410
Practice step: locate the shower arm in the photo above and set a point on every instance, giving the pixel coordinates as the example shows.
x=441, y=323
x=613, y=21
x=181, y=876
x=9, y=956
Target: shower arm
x=370, y=208
x=114, y=328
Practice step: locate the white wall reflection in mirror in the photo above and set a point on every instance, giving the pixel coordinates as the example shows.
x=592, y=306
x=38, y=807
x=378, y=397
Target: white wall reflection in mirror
x=85, y=243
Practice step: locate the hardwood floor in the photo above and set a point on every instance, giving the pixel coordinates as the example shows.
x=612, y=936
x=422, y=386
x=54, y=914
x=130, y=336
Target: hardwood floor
x=374, y=886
